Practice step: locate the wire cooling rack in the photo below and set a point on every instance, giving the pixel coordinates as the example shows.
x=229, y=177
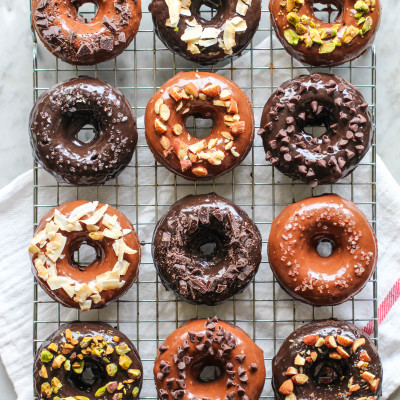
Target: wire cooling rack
x=145, y=190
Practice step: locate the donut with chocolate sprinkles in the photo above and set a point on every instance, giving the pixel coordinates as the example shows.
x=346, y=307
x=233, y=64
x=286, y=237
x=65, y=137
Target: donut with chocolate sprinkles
x=328, y=360
x=180, y=368
x=73, y=39
x=316, y=100
x=206, y=249
x=322, y=250
x=87, y=361
x=57, y=118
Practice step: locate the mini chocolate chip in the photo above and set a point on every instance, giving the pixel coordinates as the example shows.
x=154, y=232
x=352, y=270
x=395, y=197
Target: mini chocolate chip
x=231, y=395
x=282, y=133
x=274, y=160
x=170, y=382
x=342, y=143
x=220, y=353
x=353, y=128
x=302, y=89
x=364, y=106
x=362, y=119
x=175, y=359
x=240, y=357
x=349, y=135
x=253, y=367
x=290, y=120
x=330, y=149
x=181, y=365
x=273, y=144
x=310, y=173
x=243, y=378
x=163, y=393
x=267, y=157
x=322, y=163
x=330, y=91
x=341, y=87
x=211, y=351
x=241, y=370
x=349, y=154
x=211, y=326
x=302, y=116
x=299, y=157
x=200, y=347
x=180, y=352
x=177, y=394
x=360, y=148
x=163, y=347
x=302, y=145
x=182, y=374
x=314, y=106
x=231, y=374
x=290, y=129
x=338, y=101
x=185, y=345
x=163, y=363
x=187, y=359
x=285, y=140
x=181, y=383
x=341, y=162
x=284, y=149
x=240, y=390
x=166, y=370
x=260, y=131
x=353, y=110
x=330, y=84
x=245, y=397
x=229, y=383
x=332, y=161
x=317, y=149
x=192, y=336
x=287, y=157
x=229, y=366
x=160, y=376
x=312, y=88
x=200, y=336
x=359, y=135
x=268, y=127
x=320, y=108
x=291, y=107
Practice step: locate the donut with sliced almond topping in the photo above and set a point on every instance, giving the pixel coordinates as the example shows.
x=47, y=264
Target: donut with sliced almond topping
x=330, y=360
x=67, y=274
x=203, y=95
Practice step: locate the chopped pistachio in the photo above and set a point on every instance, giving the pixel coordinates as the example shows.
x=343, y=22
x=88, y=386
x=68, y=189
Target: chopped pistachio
x=53, y=347
x=361, y=6
x=43, y=372
x=100, y=391
x=327, y=33
x=135, y=392
x=59, y=398
x=67, y=365
x=81, y=398
x=106, y=360
x=117, y=396
x=134, y=373
x=120, y=386
x=301, y=29
x=311, y=23
x=293, y=18
x=77, y=366
x=361, y=21
x=122, y=348
x=109, y=350
x=56, y=384
x=292, y=37
x=358, y=15
x=315, y=36
x=307, y=40
x=337, y=42
x=85, y=342
x=350, y=33
x=46, y=389
x=111, y=369
x=367, y=26
x=46, y=356
x=304, y=19
x=124, y=361
x=58, y=361
x=97, y=351
x=327, y=48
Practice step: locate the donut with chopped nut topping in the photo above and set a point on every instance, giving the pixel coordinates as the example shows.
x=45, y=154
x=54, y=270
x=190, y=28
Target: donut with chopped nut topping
x=181, y=27
x=328, y=360
x=313, y=41
x=68, y=279
x=206, y=249
x=204, y=95
x=61, y=112
x=73, y=39
x=87, y=361
x=322, y=250
x=206, y=343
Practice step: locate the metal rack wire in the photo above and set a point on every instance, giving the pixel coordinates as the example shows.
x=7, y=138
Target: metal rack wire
x=145, y=190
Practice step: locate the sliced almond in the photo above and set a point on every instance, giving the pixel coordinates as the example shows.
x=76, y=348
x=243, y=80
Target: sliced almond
x=320, y=342
x=198, y=147
x=364, y=356
x=164, y=141
x=157, y=105
x=177, y=129
x=159, y=126
x=185, y=165
x=212, y=143
x=358, y=343
x=310, y=339
x=313, y=356
x=335, y=355
x=354, y=388
x=234, y=152
x=292, y=371
x=221, y=103
x=191, y=89
x=368, y=376
x=180, y=149
x=299, y=360
x=343, y=353
x=225, y=94
x=330, y=342
x=164, y=112
x=227, y=135
x=175, y=93
x=238, y=128
x=374, y=384
x=233, y=107
x=344, y=340
x=300, y=379
x=286, y=387
x=211, y=90
x=200, y=171
x=202, y=96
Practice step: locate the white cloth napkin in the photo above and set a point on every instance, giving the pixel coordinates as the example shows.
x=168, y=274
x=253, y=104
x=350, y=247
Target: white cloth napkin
x=16, y=289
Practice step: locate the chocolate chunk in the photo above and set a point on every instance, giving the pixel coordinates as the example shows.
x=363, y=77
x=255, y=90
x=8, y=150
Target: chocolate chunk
x=240, y=357
x=107, y=43
x=109, y=24
x=84, y=50
x=166, y=370
x=177, y=394
x=163, y=393
x=42, y=4
x=253, y=367
x=121, y=37
x=192, y=336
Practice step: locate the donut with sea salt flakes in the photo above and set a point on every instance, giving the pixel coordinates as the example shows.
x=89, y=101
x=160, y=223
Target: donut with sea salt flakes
x=87, y=361
x=315, y=100
x=313, y=41
x=61, y=233
x=329, y=360
x=76, y=41
x=205, y=95
x=301, y=265
x=184, y=31
x=209, y=343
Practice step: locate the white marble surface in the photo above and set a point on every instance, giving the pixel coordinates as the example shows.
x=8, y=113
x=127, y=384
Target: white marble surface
x=16, y=99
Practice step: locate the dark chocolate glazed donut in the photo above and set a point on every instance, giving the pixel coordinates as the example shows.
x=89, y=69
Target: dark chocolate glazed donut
x=314, y=100
x=62, y=111
x=76, y=41
x=206, y=249
x=327, y=360
x=209, y=342
x=87, y=361
x=312, y=41
x=181, y=28
x=301, y=270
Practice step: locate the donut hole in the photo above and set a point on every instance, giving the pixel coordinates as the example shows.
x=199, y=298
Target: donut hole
x=327, y=11
x=93, y=373
x=84, y=253
x=86, y=9
x=315, y=130
x=81, y=126
x=316, y=124
x=87, y=134
x=207, y=369
x=328, y=373
x=207, y=9
x=324, y=246
x=199, y=126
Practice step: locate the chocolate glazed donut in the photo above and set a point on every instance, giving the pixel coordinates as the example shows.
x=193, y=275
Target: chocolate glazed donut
x=327, y=360
x=62, y=231
x=297, y=257
x=205, y=95
x=312, y=41
x=209, y=343
x=62, y=111
x=181, y=28
x=87, y=361
x=314, y=100
x=76, y=41
x=206, y=249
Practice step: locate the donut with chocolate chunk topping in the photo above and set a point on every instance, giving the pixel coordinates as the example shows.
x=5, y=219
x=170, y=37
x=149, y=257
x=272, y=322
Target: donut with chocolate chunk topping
x=206, y=249
x=327, y=360
x=180, y=368
x=316, y=100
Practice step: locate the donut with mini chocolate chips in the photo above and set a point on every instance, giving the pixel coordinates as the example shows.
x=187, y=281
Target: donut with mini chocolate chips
x=206, y=249
x=314, y=100
x=316, y=42
x=203, y=343
x=61, y=112
x=205, y=95
x=87, y=361
x=182, y=29
x=330, y=360
x=302, y=266
x=62, y=232
x=73, y=39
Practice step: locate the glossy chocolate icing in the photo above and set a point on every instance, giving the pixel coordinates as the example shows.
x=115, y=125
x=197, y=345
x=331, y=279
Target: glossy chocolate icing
x=74, y=40
x=62, y=111
x=341, y=54
x=208, y=54
x=193, y=274
x=298, y=266
x=313, y=100
x=209, y=342
x=317, y=371
x=105, y=260
x=73, y=383
x=240, y=143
